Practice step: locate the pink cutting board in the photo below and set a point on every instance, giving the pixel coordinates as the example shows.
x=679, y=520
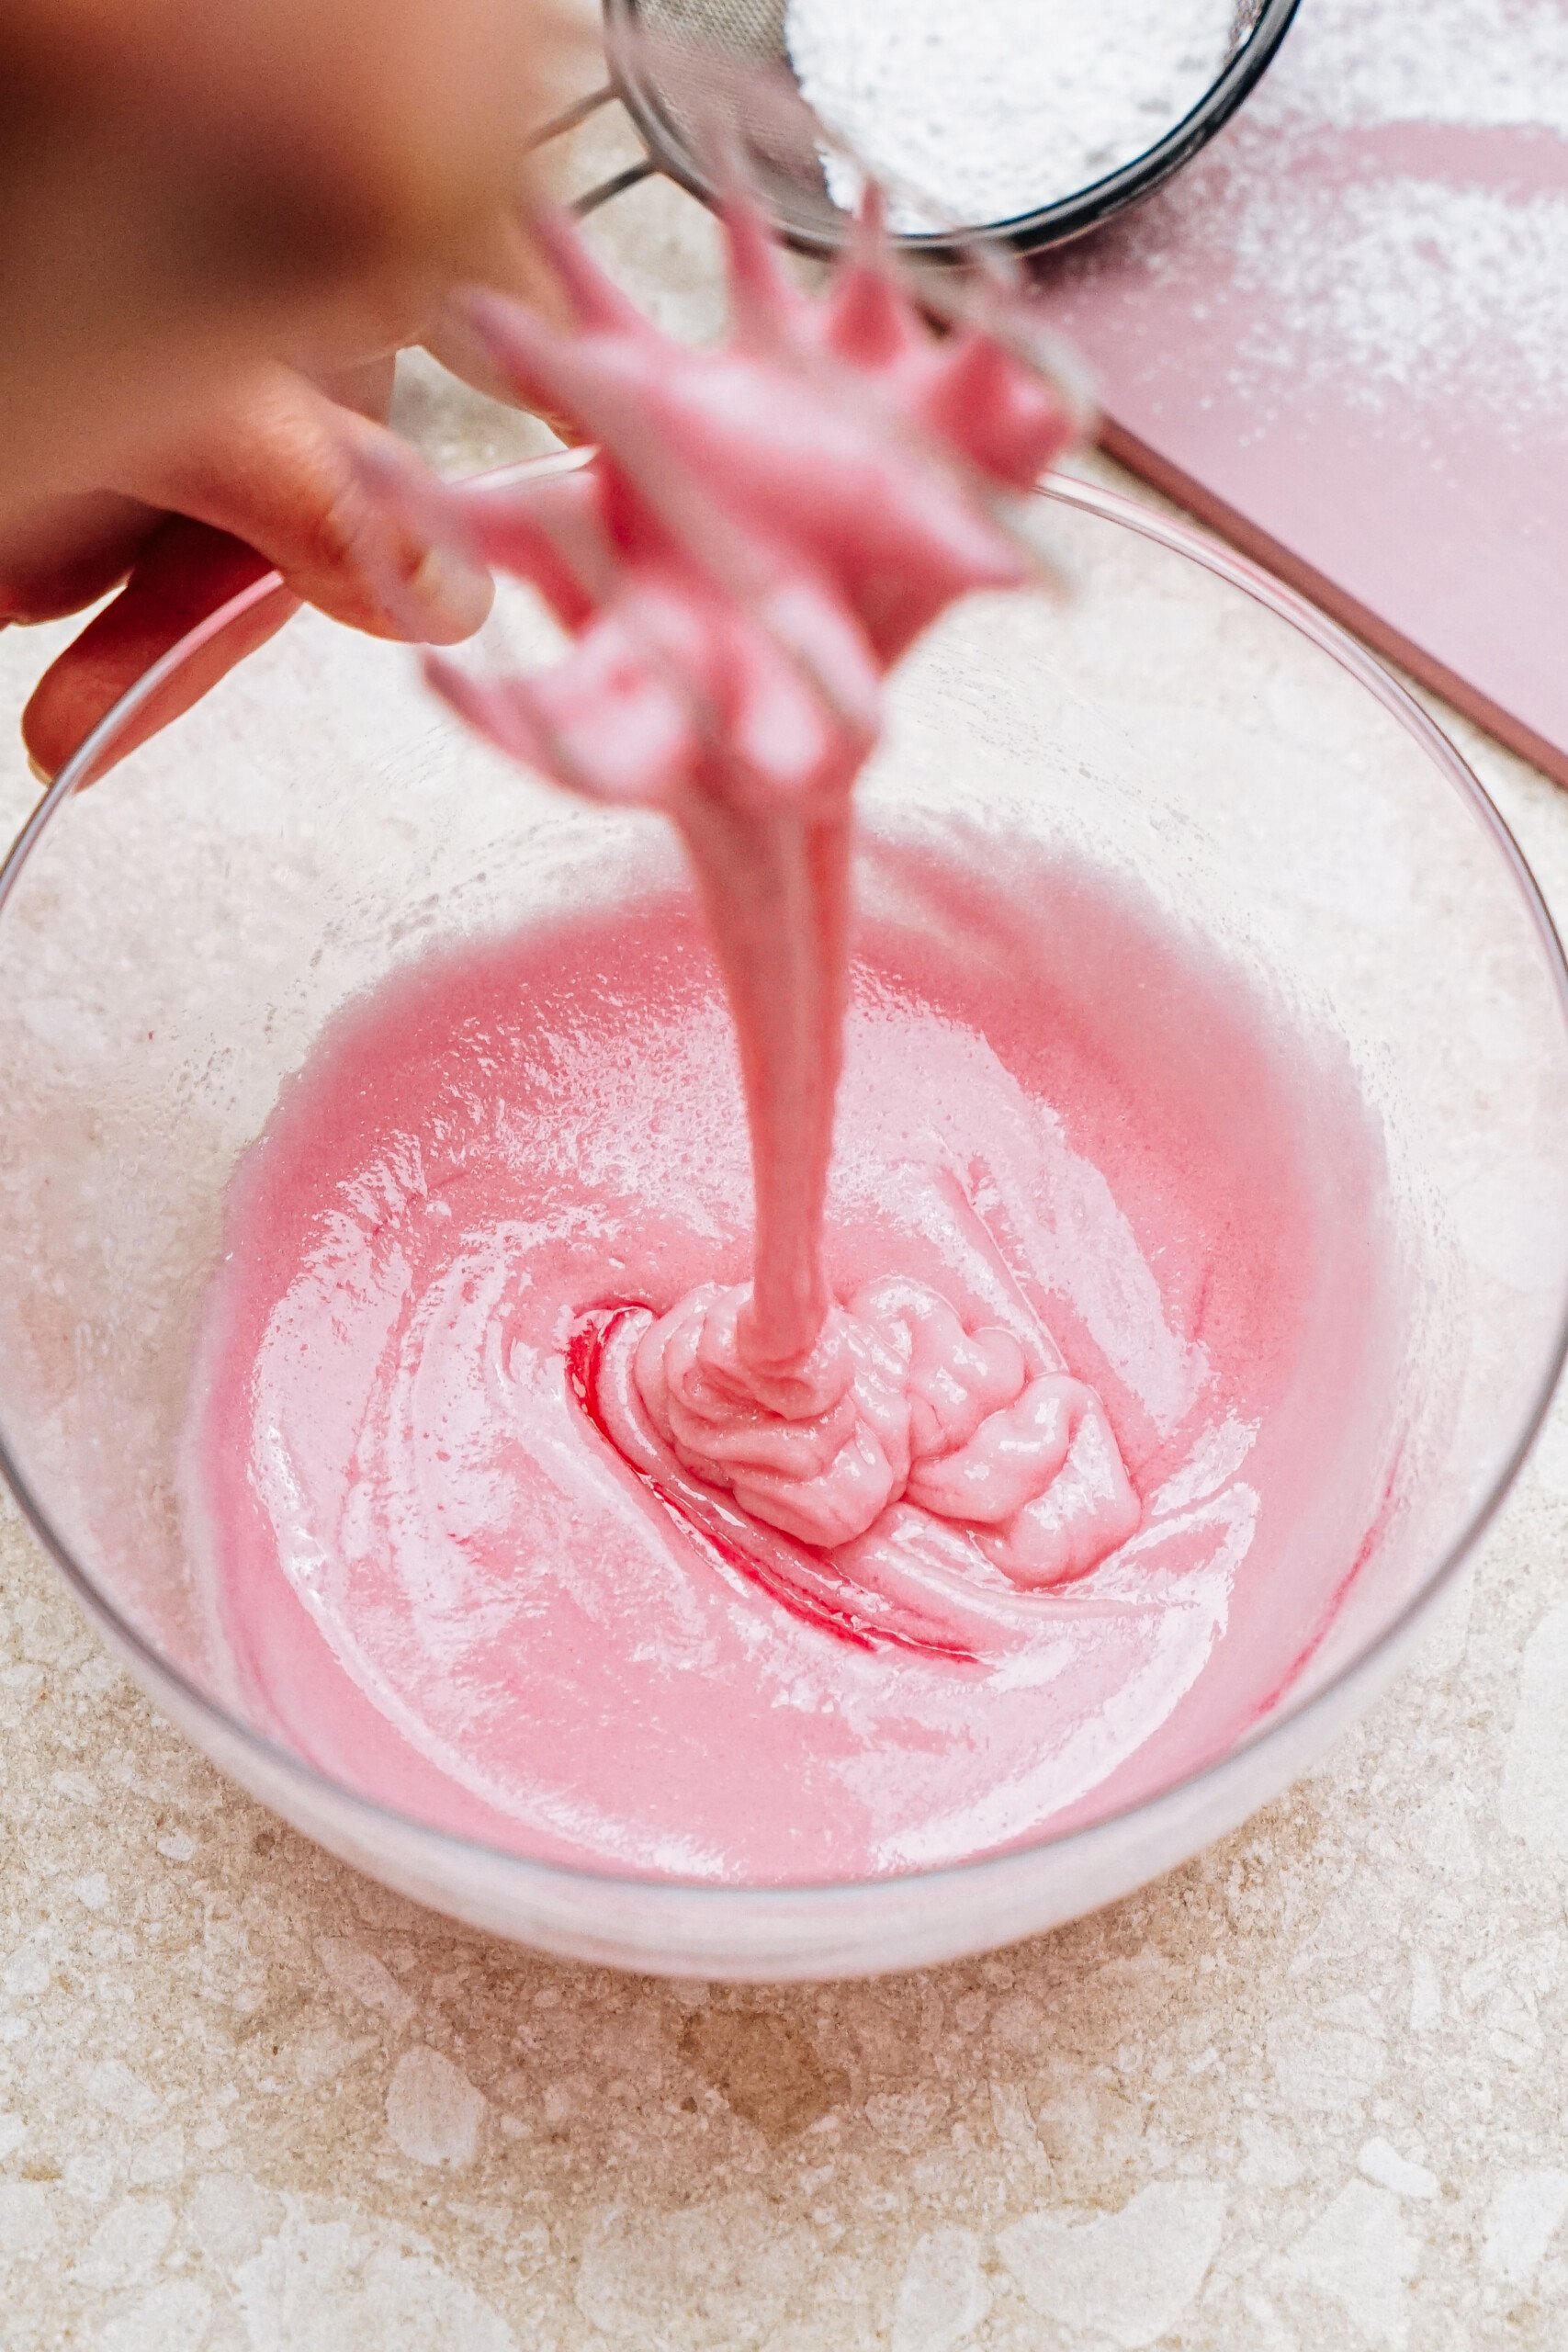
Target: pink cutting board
x=1341, y=336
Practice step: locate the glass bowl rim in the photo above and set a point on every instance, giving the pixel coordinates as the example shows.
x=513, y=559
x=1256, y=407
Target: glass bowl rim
x=1181, y=539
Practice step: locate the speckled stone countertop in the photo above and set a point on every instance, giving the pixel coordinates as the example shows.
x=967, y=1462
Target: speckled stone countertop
x=1308, y=2092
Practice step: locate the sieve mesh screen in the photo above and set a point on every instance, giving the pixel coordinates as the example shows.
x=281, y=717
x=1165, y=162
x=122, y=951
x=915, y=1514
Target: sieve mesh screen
x=752, y=28
x=692, y=71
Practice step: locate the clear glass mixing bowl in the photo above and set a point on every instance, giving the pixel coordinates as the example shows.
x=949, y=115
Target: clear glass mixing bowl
x=172, y=942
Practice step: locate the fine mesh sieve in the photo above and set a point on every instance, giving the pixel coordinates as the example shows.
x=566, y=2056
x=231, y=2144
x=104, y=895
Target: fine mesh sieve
x=705, y=81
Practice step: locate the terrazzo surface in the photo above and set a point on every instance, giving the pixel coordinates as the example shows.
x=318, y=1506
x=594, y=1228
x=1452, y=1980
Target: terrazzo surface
x=1308, y=2092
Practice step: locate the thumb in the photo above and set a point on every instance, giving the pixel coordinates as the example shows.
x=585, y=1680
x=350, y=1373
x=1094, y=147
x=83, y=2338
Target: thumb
x=274, y=482
x=283, y=467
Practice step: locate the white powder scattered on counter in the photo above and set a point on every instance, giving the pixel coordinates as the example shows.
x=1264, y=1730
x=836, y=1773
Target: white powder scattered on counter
x=1406, y=284
x=991, y=109
x=1387, y=220
x=1484, y=64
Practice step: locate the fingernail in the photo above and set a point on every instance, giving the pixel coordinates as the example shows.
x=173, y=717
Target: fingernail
x=451, y=596
x=42, y=773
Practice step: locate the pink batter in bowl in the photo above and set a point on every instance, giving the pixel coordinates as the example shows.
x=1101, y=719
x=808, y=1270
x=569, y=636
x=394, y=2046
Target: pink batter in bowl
x=1181, y=735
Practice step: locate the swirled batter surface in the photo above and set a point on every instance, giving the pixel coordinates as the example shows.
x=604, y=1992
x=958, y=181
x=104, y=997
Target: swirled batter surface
x=1098, y=1427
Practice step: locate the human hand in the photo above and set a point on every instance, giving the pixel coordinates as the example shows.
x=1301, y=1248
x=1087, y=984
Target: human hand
x=206, y=217
x=185, y=192
x=269, y=477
